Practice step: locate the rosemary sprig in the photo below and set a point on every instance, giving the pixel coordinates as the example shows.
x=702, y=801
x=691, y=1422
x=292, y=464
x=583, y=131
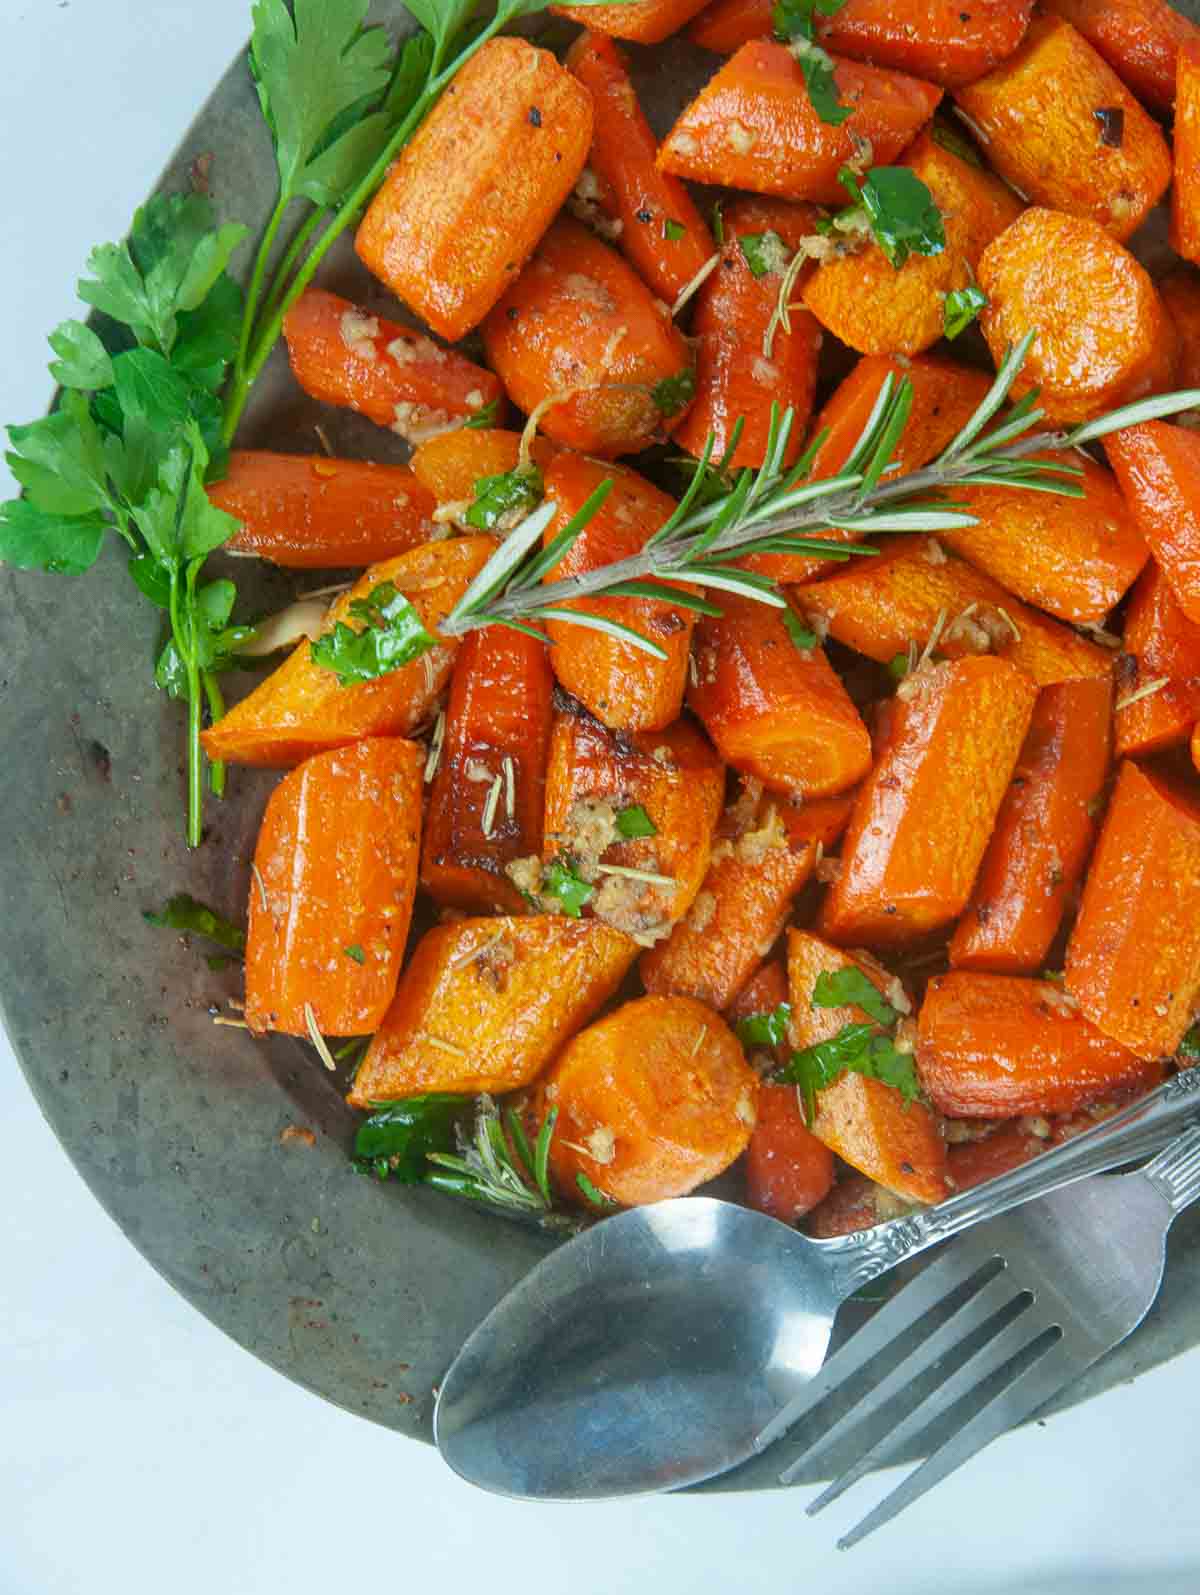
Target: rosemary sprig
x=499, y=1168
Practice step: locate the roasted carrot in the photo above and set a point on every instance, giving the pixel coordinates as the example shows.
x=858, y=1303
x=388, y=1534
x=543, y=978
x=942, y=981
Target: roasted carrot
x=451, y=466
x=1158, y=467
x=854, y=1204
x=914, y=591
x=866, y=302
x=1103, y=335
x=1140, y=40
x=758, y=866
x=753, y=125
x=581, y=336
x=645, y=21
x=1158, y=675
x=1195, y=748
x=621, y=685
x=1059, y=124
x=396, y=377
x=983, y=1157
x=773, y=704
x=485, y=805
x=309, y=513
x=1179, y=291
x=936, y=39
x=485, y=1004
x=301, y=709
x=460, y=212
x=1075, y=557
x=788, y=1170
x=1185, y=192
x=762, y=994
x=1133, y=962
x=652, y=1101
x=644, y=884
x=923, y=817
x=746, y=360
x=651, y=217
x=1044, y=833
x=330, y=904
x=991, y=1046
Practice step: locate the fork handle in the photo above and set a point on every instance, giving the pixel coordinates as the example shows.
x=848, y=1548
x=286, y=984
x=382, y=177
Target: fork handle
x=1135, y=1132
x=1175, y=1172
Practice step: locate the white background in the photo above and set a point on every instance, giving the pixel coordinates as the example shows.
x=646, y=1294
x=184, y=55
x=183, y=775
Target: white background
x=139, y=1449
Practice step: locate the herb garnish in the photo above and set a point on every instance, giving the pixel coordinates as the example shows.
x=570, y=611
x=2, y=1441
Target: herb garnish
x=1189, y=1048
x=184, y=913
x=795, y=23
x=496, y=497
x=903, y=216
x=398, y=1138
x=675, y=393
x=673, y=231
x=572, y=891
x=765, y=1029
x=803, y=638
x=356, y=953
x=633, y=822
x=501, y=1169
x=849, y=987
x=860, y=1048
x=594, y=1196
x=765, y=253
x=393, y=635
x=961, y=307
x=484, y=418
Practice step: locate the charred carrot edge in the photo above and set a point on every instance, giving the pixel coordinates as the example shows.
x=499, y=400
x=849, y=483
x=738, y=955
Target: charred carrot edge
x=1185, y=191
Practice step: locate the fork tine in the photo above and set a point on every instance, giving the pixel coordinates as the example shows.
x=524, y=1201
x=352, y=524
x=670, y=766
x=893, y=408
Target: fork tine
x=1059, y=1364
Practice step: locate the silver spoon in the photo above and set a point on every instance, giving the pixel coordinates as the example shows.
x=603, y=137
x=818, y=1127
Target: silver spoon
x=647, y=1353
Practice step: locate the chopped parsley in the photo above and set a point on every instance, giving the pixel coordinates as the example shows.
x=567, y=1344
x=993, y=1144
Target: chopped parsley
x=393, y=635
x=485, y=417
x=850, y=988
x=396, y=1140
x=765, y=1029
x=673, y=231
x=634, y=822
x=903, y=217
x=766, y=254
x=961, y=307
x=675, y=393
x=497, y=497
x=795, y=24
x=572, y=891
x=184, y=913
x=803, y=638
x=1188, y=1050
x=356, y=953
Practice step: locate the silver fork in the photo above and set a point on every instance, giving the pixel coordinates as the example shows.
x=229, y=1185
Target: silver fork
x=1009, y=1315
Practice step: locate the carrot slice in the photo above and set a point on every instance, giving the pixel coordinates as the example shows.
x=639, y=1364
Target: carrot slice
x=310, y=513
x=994, y=1045
x=1044, y=833
x=753, y=126
x=1158, y=467
x=855, y=1203
x=486, y=1003
x=1140, y=40
x=1158, y=675
x=330, y=904
x=1179, y=291
x=645, y=21
x=301, y=709
x=788, y=1170
x=1133, y=962
x=969, y=1163
x=461, y=210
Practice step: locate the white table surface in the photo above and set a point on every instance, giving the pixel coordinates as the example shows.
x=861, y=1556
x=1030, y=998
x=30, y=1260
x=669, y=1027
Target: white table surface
x=139, y=1448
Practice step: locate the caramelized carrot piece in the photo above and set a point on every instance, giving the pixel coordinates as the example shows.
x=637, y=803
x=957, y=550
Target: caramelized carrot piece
x=1195, y=749
x=866, y=302
x=485, y=1004
x=1179, y=291
x=396, y=377
x=1158, y=467
x=1044, y=833
x=854, y=1204
x=735, y=376
x=301, y=708
x=788, y=1170
x=882, y=605
x=1059, y=124
x=773, y=705
x=764, y=991
x=652, y=217
x=1076, y=557
x=645, y=21
x=933, y=39
x=753, y=125
x=330, y=904
x=1158, y=675
x=451, y=465
x=1185, y=193
x=309, y=513
x=995, y=1045
x=674, y=776
x=984, y=1157
x=923, y=817
x=1140, y=40
x=579, y=327
x=461, y=210
x=758, y=867
x=1133, y=963
x=624, y=687
x=485, y=805
x=652, y=1101
x=1104, y=337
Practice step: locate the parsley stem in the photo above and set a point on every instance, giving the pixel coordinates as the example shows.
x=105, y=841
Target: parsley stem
x=183, y=629
x=216, y=709
x=287, y=265
x=257, y=277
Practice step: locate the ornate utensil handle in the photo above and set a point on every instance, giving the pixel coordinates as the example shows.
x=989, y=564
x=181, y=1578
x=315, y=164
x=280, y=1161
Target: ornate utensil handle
x=1137, y=1131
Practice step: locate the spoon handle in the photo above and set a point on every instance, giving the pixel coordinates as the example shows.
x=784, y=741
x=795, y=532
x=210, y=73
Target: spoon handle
x=1136, y=1132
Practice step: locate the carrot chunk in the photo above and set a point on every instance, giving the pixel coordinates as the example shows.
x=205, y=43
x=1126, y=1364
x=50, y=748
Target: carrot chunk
x=866, y=302
x=735, y=325
x=923, y=817
x=581, y=329
x=485, y=805
x=1158, y=467
x=330, y=904
x=773, y=704
x=643, y=883
x=914, y=589
x=1179, y=291
x=758, y=866
x=1158, y=675
x=451, y=465
x=1185, y=193
x=486, y=1003
x=460, y=212
x=788, y=1170
x=753, y=126
x=651, y=217
x=644, y=21
x=855, y=1203
x=766, y=988
x=991, y=1046
x=396, y=377
x=1133, y=963
x=1044, y=833
x=1104, y=337
x=624, y=687
x=652, y=1101
x=984, y=1157
x=1140, y=40
x=1059, y=124
x=301, y=708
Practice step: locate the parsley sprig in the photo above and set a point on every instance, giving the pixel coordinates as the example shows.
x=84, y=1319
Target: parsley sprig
x=860, y=1047
x=392, y=635
x=795, y=21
